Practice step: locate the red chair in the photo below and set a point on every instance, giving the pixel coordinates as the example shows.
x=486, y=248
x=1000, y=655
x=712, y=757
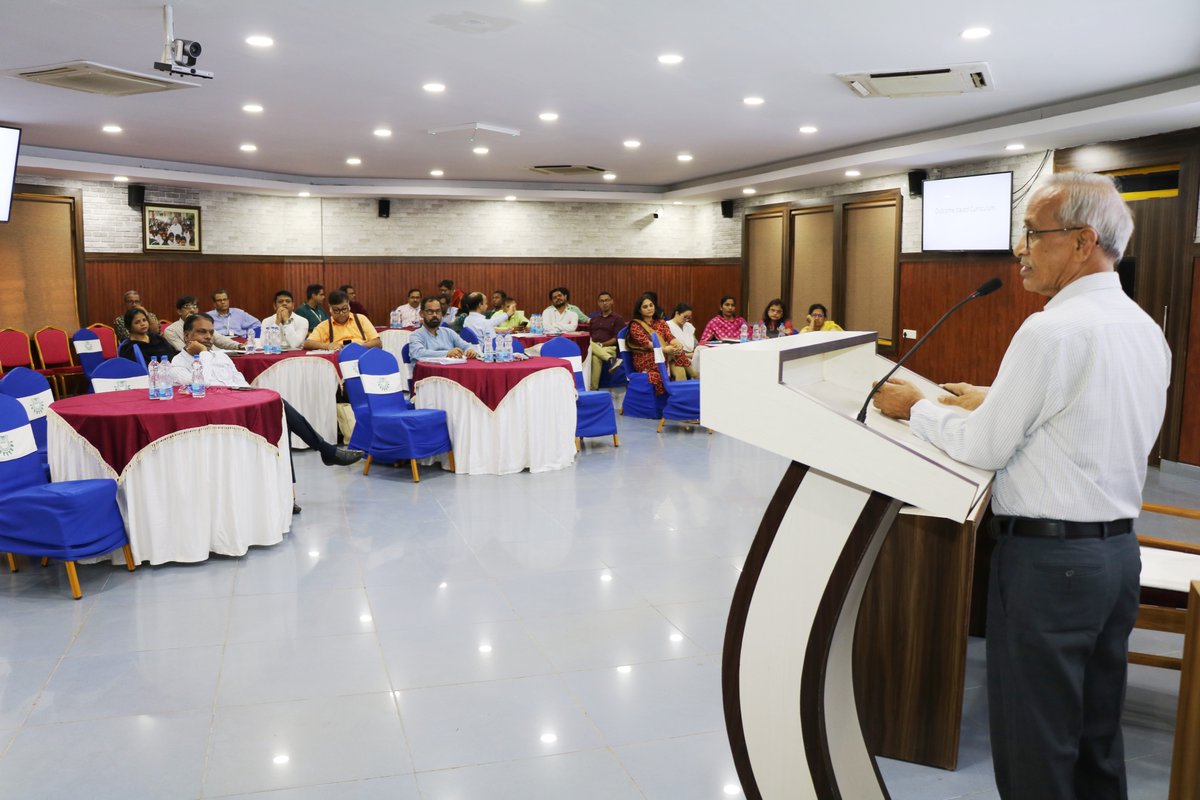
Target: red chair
x=16, y=352
x=54, y=351
x=108, y=338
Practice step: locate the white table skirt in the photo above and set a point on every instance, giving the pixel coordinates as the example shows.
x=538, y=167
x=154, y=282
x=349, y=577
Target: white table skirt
x=310, y=384
x=393, y=341
x=178, y=497
x=533, y=428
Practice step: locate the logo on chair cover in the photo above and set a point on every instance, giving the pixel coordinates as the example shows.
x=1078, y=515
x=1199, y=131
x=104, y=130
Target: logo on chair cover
x=7, y=448
x=37, y=406
x=383, y=384
x=121, y=386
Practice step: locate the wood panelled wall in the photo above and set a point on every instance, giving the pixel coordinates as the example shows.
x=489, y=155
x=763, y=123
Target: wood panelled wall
x=382, y=284
x=1189, y=435
x=971, y=344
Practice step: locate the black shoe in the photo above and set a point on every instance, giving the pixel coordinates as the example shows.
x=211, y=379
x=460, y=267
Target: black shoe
x=295, y=508
x=342, y=457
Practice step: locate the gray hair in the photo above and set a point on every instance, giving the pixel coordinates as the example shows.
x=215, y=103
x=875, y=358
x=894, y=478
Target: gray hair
x=1092, y=200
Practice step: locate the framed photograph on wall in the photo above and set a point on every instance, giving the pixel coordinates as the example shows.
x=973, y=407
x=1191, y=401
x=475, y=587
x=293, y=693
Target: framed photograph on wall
x=173, y=229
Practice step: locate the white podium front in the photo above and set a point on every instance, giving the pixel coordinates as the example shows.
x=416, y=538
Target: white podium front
x=787, y=675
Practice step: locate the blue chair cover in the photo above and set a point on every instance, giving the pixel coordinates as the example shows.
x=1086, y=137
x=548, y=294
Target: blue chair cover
x=595, y=415
x=67, y=520
x=683, y=397
x=32, y=390
x=348, y=358
x=640, y=400
x=119, y=369
x=87, y=350
x=469, y=335
x=517, y=346
x=396, y=431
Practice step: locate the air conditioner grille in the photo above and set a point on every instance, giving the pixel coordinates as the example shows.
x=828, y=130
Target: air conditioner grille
x=88, y=76
x=567, y=169
x=949, y=80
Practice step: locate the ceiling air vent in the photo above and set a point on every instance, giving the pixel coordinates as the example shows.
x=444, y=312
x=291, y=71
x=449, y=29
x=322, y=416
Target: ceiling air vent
x=567, y=169
x=954, y=79
x=88, y=76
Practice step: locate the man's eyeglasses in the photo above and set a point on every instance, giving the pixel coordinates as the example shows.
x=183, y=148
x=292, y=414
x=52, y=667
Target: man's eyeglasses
x=1028, y=233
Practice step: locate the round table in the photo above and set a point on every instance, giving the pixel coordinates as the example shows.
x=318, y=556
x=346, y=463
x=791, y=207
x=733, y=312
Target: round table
x=194, y=476
x=503, y=418
x=308, y=379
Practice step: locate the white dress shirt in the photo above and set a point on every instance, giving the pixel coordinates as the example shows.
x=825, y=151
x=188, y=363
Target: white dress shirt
x=1074, y=411
x=173, y=333
x=555, y=321
x=409, y=316
x=218, y=369
x=295, y=330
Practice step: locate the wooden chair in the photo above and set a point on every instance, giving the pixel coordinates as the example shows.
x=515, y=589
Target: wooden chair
x=1172, y=604
x=54, y=351
x=15, y=351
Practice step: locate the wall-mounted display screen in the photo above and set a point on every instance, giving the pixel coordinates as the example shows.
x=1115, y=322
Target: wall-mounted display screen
x=973, y=212
x=10, y=143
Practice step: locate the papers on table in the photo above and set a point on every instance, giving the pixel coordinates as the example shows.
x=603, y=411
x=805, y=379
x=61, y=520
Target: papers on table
x=445, y=360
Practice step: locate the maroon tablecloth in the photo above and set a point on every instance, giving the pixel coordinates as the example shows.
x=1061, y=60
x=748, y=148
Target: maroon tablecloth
x=582, y=340
x=489, y=382
x=119, y=424
x=251, y=365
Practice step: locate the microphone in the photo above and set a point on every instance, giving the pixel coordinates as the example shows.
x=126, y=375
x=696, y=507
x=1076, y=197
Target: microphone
x=987, y=288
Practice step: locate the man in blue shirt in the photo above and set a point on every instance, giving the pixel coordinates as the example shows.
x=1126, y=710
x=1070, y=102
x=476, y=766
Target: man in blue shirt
x=230, y=321
x=432, y=340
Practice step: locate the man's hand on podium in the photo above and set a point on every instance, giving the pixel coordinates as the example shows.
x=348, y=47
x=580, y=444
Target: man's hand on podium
x=896, y=398
x=964, y=395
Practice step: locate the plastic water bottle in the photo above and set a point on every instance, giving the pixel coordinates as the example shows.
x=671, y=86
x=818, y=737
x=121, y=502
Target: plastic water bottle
x=250, y=341
x=152, y=369
x=166, y=387
x=743, y=334
x=535, y=324
x=198, y=387
x=395, y=323
x=508, y=348
x=489, y=345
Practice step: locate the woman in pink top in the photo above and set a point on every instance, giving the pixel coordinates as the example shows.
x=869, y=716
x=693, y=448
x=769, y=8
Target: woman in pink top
x=726, y=325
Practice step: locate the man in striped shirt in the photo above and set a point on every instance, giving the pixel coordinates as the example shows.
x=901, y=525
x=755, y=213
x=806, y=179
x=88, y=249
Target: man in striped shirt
x=1067, y=425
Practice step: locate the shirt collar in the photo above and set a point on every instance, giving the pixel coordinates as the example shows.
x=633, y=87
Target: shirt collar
x=1096, y=282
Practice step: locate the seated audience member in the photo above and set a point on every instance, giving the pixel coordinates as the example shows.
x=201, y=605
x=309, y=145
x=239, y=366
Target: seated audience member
x=185, y=307
x=355, y=306
x=454, y=297
x=313, y=307
x=496, y=306
x=410, y=312
x=133, y=299
x=818, y=320
x=475, y=320
x=681, y=327
x=220, y=371
x=433, y=340
x=342, y=328
x=726, y=325
x=293, y=326
x=449, y=310
x=230, y=321
x=603, y=330
x=653, y=295
x=143, y=337
x=516, y=320
x=775, y=319
x=558, y=316
x=645, y=322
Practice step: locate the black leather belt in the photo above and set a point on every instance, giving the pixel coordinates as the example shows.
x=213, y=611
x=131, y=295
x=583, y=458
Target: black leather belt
x=1059, y=529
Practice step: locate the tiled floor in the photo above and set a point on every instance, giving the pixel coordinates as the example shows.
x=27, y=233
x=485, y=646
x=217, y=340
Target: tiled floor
x=531, y=636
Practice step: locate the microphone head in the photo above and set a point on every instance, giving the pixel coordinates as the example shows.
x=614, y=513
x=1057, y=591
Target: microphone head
x=989, y=287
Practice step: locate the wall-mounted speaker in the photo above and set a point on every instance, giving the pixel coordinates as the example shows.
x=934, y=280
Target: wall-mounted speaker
x=385, y=208
x=727, y=209
x=137, y=195
x=915, y=180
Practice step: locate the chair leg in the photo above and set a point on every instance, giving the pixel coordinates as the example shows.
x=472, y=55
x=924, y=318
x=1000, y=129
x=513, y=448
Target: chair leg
x=73, y=579
x=616, y=443
x=1185, y=769
x=452, y=467
x=45, y=561
x=576, y=444
x=12, y=562
x=661, y=422
x=416, y=472
x=129, y=564
x=367, y=464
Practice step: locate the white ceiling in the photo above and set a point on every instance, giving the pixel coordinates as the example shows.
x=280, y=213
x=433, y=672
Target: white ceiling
x=1065, y=73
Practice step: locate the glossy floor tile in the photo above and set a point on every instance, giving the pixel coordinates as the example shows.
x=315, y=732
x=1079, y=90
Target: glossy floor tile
x=539, y=637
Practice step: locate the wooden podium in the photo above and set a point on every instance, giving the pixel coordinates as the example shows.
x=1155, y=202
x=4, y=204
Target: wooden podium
x=787, y=673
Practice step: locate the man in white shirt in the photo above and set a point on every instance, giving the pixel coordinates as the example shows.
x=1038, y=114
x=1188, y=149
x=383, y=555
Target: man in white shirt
x=293, y=326
x=481, y=325
x=184, y=307
x=558, y=316
x=220, y=371
x=410, y=312
x=1068, y=424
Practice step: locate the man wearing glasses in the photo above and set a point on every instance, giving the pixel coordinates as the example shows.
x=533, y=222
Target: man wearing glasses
x=342, y=327
x=185, y=307
x=433, y=340
x=1067, y=425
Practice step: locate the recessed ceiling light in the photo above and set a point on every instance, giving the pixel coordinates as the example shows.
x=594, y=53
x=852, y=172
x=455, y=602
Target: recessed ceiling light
x=610, y=176
x=632, y=144
x=485, y=648
x=670, y=58
x=748, y=190
x=976, y=33
x=510, y=197
x=437, y=173
x=753, y=101
x=304, y=194
x=252, y=108
x=121, y=179
x=249, y=148
x=549, y=738
x=732, y=789
x=353, y=161
x=684, y=156
x=434, y=87
x=111, y=129
x=259, y=41
x=852, y=173
x=678, y=202
x=383, y=133
x=808, y=128
x=480, y=151
x=547, y=116
x=280, y=759
x=1014, y=146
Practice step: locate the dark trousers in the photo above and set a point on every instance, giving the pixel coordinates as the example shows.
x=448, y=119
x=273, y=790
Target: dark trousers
x=1059, y=617
x=297, y=424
